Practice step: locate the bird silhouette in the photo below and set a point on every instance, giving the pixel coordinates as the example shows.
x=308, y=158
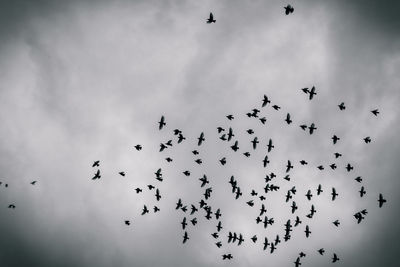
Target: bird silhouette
x=211, y=19
x=288, y=9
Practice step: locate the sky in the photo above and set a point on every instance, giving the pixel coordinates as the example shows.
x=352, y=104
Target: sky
x=88, y=80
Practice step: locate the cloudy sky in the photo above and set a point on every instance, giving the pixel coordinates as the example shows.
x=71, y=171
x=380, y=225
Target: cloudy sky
x=87, y=80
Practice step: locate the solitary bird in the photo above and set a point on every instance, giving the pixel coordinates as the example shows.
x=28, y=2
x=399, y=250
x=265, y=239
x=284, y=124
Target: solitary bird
x=201, y=139
x=138, y=147
x=96, y=163
x=33, y=182
x=375, y=112
x=265, y=101
x=381, y=200
x=211, y=19
x=288, y=9
x=342, y=106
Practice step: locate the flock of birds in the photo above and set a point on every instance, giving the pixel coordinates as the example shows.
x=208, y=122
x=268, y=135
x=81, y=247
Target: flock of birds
x=211, y=213
x=227, y=135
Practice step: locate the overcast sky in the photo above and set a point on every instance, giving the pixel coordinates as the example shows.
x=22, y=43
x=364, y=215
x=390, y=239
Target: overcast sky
x=87, y=80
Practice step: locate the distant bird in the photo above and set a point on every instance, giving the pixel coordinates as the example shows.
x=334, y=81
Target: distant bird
x=276, y=107
x=201, y=139
x=150, y=186
x=250, y=131
x=367, y=139
x=312, y=128
x=168, y=159
x=203, y=180
x=337, y=155
x=358, y=179
x=349, y=167
x=145, y=210
x=303, y=126
x=127, y=222
x=11, y=206
x=96, y=164
x=303, y=162
x=305, y=90
x=235, y=147
x=185, y=237
x=312, y=91
x=227, y=257
x=254, y=239
x=335, y=258
x=270, y=146
x=336, y=223
x=195, y=152
x=33, y=182
x=96, y=175
x=319, y=189
x=162, y=147
x=220, y=129
x=138, y=147
x=375, y=112
x=381, y=200
x=320, y=167
x=230, y=117
x=309, y=195
x=265, y=101
x=230, y=134
x=362, y=191
x=187, y=173
x=288, y=120
x=156, y=209
x=211, y=19
x=181, y=138
x=333, y=166
x=288, y=9
x=122, y=173
x=161, y=123
x=159, y=175
x=307, y=231
x=157, y=195
x=247, y=154
x=263, y=120
x=223, y=161
x=342, y=106
x=265, y=161
x=138, y=190
x=289, y=166
x=177, y=131
x=334, y=194
x=255, y=142
x=297, y=263
x=321, y=251
x=198, y=161
x=335, y=139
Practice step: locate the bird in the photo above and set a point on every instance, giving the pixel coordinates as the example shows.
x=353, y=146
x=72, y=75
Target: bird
x=312, y=128
x=335, y=139
x=235, y=147
x=312, y=91
x=150, y=186
x=334, y=194
x=159, y=175
x=288, y=120
x=168, y=159
x=276, y=107
x=254, y=239
x=342, y=106
x=319, y=189
x=358, y=179
x=161, y=123
x=218, y=244
x=375, y=112
x=181, y=138
x=122, y=173
x=309, y=195
x=247, y=154
x=320, y=167
x=33, y=182
x=203, y=180
x=250, y=131
x=288, y=9
x=265, y=101
x=367, y=139
x=201, y=139
x=227, y=257
x=335, y=258
x=270, y=146
x=211, y=19
x=223, y=161
x=96, y=163
x=186, y=173
x=127, y=222
x=289, y=166
x=195, y=152
x=145, y=210
x=11, y=206
x=97, y=175
x=138, y=190
x=381, y=200
x=307, y=231
x=263, y=120
x=162, y=147
x=230, y=117
x=349, y=167
x=138, y=147
x=305, y=90
x=303, y=126
x=297, y=263
x=230, y=134
x=362, y=191
x=220, y=129
x=198, y=161
x=336, y=223
x=255, y=142
x=303, y=162
x=185, y=237
x=321, y=251
x=157, y=195
x=337, y=155
x=265, y=161
x=183, y=223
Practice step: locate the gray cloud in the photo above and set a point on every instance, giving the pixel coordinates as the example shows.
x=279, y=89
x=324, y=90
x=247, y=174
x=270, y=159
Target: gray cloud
x=83, y=80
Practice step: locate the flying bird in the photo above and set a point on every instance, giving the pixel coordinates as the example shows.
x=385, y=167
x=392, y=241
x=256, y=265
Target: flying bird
x=375, y=112
x=335, y=258
x=211, y=19
x=161, y=123
x=288, y=9
x=312, y=128
x=138, y=147
x=381, y=200
x=312, y=91
x=201, y=139
x=230, y=117
x=265, y=101
x=342, y=106
x=288, y=120
x=96, y=164
x=96, y=175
